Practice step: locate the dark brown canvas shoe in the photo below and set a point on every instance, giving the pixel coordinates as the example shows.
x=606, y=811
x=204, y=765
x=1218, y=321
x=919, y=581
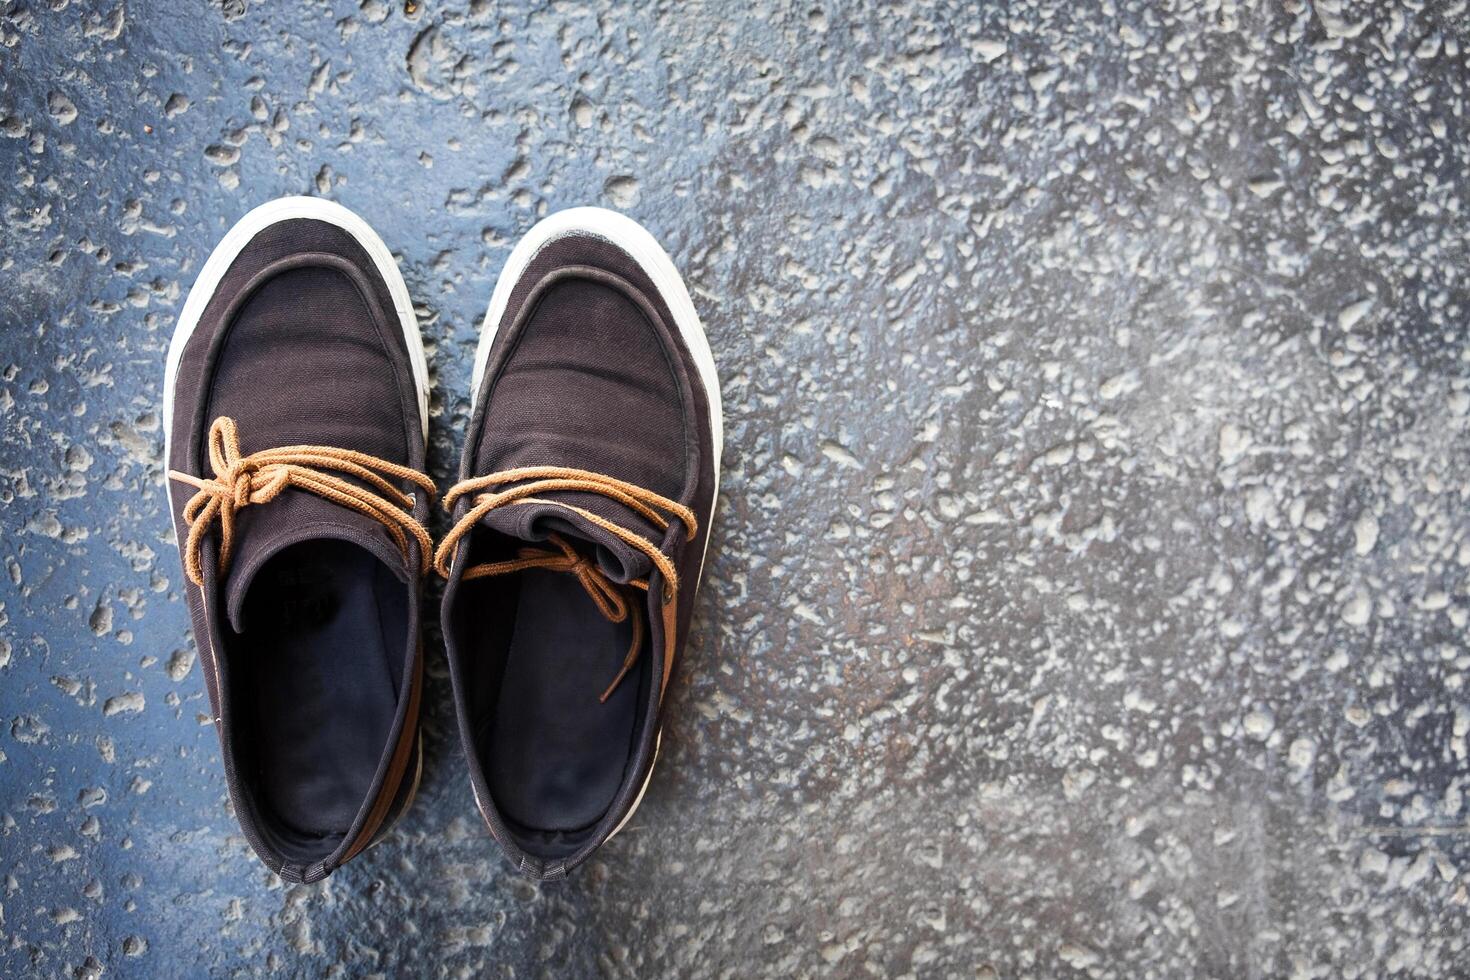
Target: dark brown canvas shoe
x=588, y=482
x=295, y=418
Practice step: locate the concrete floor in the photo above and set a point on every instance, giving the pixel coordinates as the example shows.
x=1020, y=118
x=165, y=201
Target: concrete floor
x=1090, y=582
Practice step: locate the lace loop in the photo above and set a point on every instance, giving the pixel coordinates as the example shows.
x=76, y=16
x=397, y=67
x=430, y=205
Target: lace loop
x=610, y=600
x=241, y=481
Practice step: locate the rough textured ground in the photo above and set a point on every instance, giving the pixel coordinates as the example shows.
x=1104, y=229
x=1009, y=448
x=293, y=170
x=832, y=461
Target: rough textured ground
x=1090, y=584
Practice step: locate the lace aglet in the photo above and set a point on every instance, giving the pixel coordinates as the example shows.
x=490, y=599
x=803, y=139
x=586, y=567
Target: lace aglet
x=614, y=685
x=632, y=658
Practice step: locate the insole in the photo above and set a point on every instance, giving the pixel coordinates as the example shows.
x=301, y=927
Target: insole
x=556, y=756
x=325, y=628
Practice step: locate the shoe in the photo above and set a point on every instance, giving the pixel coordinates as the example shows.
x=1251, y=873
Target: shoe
x=582, y=516
x=295, y=421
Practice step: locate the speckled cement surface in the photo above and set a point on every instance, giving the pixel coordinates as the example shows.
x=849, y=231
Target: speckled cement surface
x=1089, y=589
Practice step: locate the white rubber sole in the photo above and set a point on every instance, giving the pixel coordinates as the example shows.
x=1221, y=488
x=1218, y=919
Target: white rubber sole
x=634, y=239
x=223, y=256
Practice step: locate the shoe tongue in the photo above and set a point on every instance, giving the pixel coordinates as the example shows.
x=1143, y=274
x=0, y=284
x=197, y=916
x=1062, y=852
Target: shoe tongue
x=263, y=530
x=535, y=520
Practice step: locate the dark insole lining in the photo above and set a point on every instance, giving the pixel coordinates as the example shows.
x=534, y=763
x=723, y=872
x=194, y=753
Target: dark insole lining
x=325, y=628
x=556, y=755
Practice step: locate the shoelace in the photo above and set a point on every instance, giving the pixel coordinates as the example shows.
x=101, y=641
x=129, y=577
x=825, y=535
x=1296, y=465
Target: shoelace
x=240, y=481
x=610, y=600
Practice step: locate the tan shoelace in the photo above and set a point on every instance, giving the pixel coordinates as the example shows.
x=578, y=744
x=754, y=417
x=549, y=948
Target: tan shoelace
x=605, y=593
x=240, y=481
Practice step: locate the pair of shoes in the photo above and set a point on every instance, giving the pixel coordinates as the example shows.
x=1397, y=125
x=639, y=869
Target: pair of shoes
x=296, y=420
